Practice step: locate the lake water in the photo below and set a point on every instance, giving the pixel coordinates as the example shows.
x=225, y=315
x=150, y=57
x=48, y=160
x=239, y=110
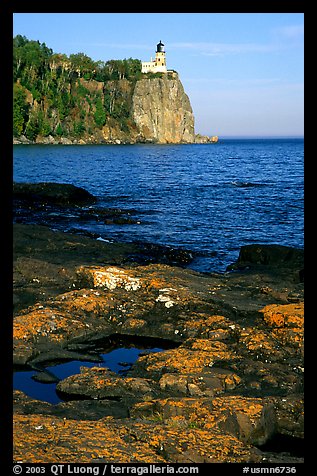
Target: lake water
x=208, y=198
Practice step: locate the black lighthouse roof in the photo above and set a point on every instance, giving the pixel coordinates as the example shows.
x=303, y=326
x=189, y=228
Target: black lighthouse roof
x=160, y=47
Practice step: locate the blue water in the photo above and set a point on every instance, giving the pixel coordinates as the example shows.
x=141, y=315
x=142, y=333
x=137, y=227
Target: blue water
x=208, y=198
x=116, y=360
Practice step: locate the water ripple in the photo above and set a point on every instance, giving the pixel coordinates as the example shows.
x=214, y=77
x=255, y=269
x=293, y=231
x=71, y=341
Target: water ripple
x=208, y=198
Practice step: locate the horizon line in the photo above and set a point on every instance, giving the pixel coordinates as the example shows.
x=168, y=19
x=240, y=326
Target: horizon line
x=233, y=136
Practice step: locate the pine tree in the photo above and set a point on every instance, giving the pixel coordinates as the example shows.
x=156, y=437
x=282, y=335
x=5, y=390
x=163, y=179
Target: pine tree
x=20, y=110
x=100, y=113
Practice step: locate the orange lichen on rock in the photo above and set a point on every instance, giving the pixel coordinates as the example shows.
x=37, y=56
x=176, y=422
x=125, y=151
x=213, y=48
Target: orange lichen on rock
x=248, y=405
x=286, y=315
x=133, y=323
x=184, y=360
x=99, y=382
x=258, y=342
x=252, y=420
x=183, y=445
x=287, y=323
x=215, y=327
x=206, y=345
x=46, y=439
x=44, y=323
x=86, y=301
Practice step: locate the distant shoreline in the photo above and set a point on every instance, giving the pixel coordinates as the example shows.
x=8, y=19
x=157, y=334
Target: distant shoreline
x=66, y=141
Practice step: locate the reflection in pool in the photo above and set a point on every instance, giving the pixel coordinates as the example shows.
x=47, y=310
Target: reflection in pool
x=118, y=360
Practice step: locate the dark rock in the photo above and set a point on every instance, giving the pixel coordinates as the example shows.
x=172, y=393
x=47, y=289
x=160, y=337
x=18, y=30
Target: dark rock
x=269, y=255
x=281, y=448
x=49, y=192
x=100, y=383
x=75, y=409
x=91, y=410
x=290, y=415
x=155, y=253
x=45, y=377
x=240, y=424
x=59, y=355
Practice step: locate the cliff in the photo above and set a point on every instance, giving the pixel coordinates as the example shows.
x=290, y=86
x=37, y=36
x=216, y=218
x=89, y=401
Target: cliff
x=151, y=109
x=161, y=110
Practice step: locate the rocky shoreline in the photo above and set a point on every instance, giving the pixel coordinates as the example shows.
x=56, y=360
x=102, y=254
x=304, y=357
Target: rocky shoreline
x=52, y=140
x=228, y=388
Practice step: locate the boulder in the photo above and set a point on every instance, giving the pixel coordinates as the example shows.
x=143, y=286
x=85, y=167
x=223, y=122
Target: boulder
x=269, y=255
x=49, y=192
x=100, y=383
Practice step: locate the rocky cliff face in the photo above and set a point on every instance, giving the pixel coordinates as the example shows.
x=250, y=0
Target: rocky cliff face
x=154, y=109
x=161, y=110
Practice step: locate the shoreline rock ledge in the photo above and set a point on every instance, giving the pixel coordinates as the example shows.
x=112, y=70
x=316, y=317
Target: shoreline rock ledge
x=51, y=192
x=228, y=388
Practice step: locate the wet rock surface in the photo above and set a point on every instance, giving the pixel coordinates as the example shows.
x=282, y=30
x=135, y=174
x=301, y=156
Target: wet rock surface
x=229, y=383
x=64, y=207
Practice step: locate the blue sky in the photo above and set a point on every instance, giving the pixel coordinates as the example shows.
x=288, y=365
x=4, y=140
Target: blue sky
x=243, y=72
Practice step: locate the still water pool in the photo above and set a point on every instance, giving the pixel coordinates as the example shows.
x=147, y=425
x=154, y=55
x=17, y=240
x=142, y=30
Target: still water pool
x=118, y=360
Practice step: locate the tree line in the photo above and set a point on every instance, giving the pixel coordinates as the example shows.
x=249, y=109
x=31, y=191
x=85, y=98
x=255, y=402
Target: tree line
x=52, y=93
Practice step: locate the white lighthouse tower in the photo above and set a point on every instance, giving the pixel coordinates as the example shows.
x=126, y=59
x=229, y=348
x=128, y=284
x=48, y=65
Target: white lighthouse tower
x=158, y=65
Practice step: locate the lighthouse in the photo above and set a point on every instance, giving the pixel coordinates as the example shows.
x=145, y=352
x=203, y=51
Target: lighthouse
x=160, y=58
x=158, y=65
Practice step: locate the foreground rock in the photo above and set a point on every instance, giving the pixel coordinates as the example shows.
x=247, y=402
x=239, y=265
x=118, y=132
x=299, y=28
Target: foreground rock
x=46, y=263
x=124, y=441
x=46, y=192
x=231, y=380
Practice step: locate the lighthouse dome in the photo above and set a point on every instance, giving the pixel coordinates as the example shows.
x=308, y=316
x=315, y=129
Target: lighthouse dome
x=160, y=47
